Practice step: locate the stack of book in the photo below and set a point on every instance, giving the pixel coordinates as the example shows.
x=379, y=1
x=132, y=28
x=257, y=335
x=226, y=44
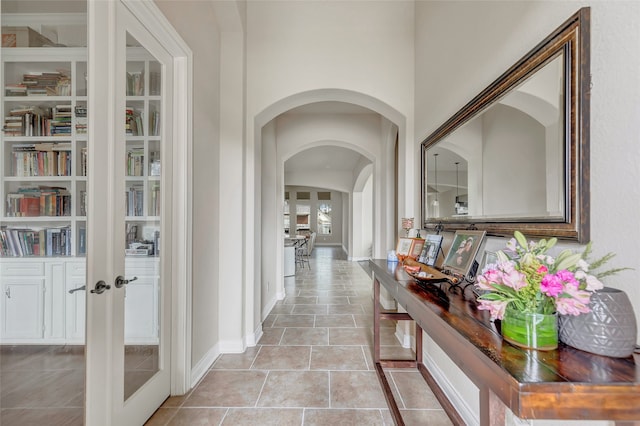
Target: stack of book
x=53, y=83
x=61, y=121
x=27, y=121
x=81, y=119
x=18, y=242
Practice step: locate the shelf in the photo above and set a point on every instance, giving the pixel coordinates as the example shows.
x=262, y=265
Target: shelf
x=36, y=219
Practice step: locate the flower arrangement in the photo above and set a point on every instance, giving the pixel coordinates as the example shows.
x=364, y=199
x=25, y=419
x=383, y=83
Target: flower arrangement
x=529, y=280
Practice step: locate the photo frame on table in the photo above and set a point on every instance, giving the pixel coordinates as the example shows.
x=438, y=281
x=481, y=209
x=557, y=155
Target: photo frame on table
x=463, y=251
x=488, y=258
x=432, y=244
x=409, y=247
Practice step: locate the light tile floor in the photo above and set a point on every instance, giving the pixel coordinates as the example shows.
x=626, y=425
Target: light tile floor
x=313, y=364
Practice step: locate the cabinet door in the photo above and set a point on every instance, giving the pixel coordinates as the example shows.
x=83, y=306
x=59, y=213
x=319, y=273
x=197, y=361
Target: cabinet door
x=75, y=301
x=22, y=308
x=140, y=306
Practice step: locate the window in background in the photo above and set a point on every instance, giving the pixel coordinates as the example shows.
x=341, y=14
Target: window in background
x=287, y=220
x=303, y=216
x=324, y=213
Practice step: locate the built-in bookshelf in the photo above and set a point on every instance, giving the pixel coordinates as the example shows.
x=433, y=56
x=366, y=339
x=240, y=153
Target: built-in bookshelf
x=43, y=157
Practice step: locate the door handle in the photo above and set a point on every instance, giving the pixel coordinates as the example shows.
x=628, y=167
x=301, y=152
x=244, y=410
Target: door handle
x=100, y=287
x=121, y=281
x=8, y=292
x=73, y=290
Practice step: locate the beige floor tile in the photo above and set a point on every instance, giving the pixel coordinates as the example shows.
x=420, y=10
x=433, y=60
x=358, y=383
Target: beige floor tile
x=263, y=417
x=414, y=391
x=342, y=417
x=335, y=321
x=425, y=417
x=162, y=416
x=282, y=309
x=334, y=300
x=294, y=321
x=305, y=336
x=221, y=388
x=337, y=358
x=271, y=336
x=310, y=309
x=197, y=416
x=350, y=336
x=300, y=300
x=283, y=358
x=345, y=309
x=356, y=389
x=296, y=389
x=241, y=361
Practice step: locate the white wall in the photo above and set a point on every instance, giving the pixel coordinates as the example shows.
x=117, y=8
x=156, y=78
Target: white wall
x=488, y=37
x=205, y=45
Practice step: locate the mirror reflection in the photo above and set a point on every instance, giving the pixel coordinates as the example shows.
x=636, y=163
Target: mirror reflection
x=508, y=160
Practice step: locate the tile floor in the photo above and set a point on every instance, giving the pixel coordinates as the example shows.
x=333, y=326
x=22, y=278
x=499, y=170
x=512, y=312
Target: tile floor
x=313, y=364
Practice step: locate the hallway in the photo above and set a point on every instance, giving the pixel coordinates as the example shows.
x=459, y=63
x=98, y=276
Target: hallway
x=313, y=365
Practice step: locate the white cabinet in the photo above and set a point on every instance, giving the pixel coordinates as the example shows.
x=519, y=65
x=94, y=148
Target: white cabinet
x=22, y=304
x=75, y=301
x=141, y=301
x=41, y=303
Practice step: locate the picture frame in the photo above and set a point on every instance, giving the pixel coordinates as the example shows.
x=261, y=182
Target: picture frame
x=488, y=257
x=416, y=248
x=409, y=247
x=431, y=249
x=403, y=247
x=463, y=251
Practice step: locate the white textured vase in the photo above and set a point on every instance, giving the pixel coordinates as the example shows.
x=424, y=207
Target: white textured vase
x=609, y=329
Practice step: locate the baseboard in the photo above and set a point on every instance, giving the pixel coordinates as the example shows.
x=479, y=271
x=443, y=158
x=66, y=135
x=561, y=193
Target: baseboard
x=449, y=390
x=358, y=258
x=201, y=368
x=253, y=338
x=232, y=346
x=266, y=310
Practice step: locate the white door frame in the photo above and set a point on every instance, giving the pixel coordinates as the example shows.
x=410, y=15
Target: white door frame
x=158, y=25
x=101, y=102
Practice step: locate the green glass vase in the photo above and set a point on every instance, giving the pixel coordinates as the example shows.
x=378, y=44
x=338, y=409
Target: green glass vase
x=529, y=330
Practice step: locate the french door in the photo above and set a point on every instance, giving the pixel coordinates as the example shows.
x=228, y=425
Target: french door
x=129, y=218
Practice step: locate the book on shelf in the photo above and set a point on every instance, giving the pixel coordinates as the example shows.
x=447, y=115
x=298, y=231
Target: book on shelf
x=135, y=161
x=51, y=83
x=135, y=83
x=133, y=122
x=81, y=119
x=41, y=159
x=20, y=242
x=135, y=201
x=52, y=201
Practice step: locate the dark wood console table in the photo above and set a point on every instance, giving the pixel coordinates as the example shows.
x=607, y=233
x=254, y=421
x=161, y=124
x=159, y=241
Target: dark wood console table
x=565, y=383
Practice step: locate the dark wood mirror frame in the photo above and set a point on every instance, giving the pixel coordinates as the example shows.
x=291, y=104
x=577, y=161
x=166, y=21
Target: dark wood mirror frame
x=573, y=39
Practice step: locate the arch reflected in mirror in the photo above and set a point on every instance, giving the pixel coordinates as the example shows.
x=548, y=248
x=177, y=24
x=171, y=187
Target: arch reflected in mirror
x=522, y=147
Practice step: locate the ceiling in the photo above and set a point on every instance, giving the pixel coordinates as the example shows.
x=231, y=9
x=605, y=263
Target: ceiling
x=325, y=157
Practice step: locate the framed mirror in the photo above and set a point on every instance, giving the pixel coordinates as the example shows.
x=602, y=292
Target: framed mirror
x=516, y=157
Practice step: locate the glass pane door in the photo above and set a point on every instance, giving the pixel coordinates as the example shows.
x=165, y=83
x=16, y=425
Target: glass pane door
x=42, y=215
x=143, y=196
